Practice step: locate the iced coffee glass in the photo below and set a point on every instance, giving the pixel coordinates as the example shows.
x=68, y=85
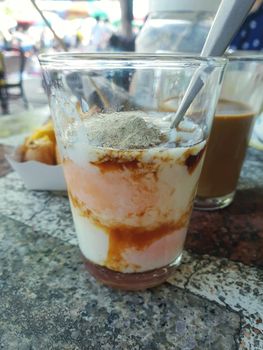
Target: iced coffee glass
x=240, y=101
x=131, y=179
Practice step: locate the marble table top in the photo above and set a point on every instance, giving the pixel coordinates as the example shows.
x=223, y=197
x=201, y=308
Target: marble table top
x=49, y=301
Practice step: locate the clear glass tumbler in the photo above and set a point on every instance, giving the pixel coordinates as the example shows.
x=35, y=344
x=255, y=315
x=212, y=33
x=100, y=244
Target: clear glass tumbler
x=240, y=101
x=131, y=179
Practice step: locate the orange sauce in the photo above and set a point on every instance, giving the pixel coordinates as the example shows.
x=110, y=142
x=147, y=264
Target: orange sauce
x=138, y=168
x=141, y=182
x=113, y=165
x=123, y=237
x=193, y=160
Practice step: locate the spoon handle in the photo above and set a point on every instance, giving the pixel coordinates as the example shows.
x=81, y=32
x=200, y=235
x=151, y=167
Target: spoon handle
x=230, y=15
x=194, y=87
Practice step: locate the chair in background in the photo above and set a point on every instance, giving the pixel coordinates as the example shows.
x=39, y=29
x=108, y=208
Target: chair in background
x=3, y=89
x=13, y=62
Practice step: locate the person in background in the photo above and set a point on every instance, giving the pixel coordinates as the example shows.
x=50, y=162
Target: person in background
x=250, y=35
x=108, y=30
x=118, y=43
x=97, y=34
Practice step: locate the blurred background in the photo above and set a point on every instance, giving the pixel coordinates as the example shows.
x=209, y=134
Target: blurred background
x=31, y=27
x=82, y=25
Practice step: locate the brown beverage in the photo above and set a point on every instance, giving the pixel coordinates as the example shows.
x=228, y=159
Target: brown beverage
x=226, y=149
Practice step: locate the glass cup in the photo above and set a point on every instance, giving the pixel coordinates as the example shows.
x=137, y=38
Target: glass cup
x=131, y=179
x=240, y=101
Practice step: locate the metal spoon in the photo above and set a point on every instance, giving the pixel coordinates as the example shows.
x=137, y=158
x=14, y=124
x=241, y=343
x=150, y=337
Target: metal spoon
x=229, y=17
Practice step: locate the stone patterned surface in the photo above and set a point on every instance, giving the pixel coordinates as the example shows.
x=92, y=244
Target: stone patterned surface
x=43, y=211
x=4, y=166
x=48, y=301
x=235, y=232
x=237, y=287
